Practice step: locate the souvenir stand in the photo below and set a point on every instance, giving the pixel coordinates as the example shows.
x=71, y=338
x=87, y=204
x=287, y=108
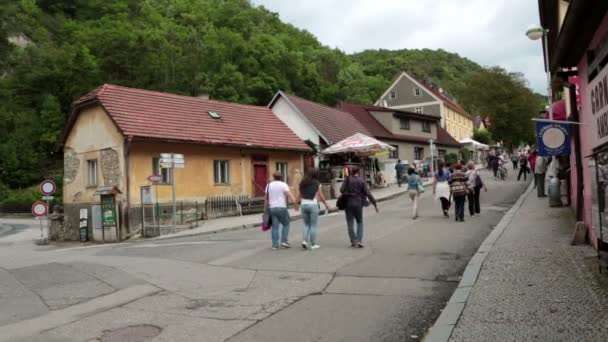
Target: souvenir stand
x=357, y=150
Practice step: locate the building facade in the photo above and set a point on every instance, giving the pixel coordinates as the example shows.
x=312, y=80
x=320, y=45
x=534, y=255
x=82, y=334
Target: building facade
x=408, y=94
x=116, y=137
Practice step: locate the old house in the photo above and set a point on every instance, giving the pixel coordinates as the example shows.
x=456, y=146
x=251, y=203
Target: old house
x=116, y=135
x=408, y=93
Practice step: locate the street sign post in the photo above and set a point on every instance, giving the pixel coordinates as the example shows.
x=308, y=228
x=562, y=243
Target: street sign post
x=40, y=209
x=48, y=187
x=432, y=157
x=172, y=161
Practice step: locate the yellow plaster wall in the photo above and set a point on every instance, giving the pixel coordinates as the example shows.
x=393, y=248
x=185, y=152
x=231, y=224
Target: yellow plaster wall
x=460, y=126
x=92, y=132
x=195, y=181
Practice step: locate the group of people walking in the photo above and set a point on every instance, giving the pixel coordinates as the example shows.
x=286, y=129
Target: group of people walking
x=451, y=184
x=532, y=163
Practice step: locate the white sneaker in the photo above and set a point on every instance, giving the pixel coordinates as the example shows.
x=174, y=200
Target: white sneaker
x=315, y=247
x=304, y=244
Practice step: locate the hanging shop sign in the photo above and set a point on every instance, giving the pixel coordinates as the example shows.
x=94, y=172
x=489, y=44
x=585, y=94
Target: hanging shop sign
x=597, y=100
x=553, y=138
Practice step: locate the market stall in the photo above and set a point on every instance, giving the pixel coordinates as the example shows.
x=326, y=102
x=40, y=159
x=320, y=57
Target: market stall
x=480, y=151
x=359, y=150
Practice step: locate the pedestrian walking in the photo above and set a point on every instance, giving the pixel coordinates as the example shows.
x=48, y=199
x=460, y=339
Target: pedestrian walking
x=357, y=194
x=400, y=170
x=309, y=197
x=414, y=185
x=532, y=163
x=441, y=188
x=474, y=185
x=523, y=168
x=458, y=191
x=515, y=160
x=540, y=170
x=277, y=196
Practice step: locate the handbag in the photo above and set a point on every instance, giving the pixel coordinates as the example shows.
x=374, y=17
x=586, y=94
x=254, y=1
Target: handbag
x=343, y=198
x=420, y=187
x=266, y=218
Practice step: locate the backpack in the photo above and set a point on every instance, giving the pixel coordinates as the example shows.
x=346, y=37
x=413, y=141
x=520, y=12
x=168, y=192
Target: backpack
x=458, y=185
x=478, y=181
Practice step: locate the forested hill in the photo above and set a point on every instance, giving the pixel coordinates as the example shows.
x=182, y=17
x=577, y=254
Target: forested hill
x=53, y=51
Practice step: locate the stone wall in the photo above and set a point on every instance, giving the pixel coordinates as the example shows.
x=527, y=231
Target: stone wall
x=110, y=167
x=71, y=165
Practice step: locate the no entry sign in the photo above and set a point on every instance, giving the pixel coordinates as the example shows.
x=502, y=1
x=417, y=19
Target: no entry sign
x=39, y=209
x=48, y=187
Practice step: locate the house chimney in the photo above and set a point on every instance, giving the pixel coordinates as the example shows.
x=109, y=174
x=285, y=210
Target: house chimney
x=203, y=96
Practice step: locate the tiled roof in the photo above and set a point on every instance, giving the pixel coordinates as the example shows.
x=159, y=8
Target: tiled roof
x=155, y=115
x=448, y=102
x=363, y=115
x=444, y=138
x=333, y=123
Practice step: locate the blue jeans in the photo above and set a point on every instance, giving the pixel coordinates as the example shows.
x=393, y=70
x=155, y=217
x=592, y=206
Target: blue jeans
x=279, y=216
x=310, y=215
x=354, y=213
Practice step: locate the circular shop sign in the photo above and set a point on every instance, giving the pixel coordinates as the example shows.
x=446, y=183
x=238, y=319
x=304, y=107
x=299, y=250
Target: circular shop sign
x=48, y=187
x=554, y=138
x=39, y=209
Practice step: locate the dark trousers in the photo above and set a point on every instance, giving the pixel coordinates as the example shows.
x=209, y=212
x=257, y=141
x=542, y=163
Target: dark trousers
x=399, y=178
x=354, y=214
x=495, y=169
x=459, y=207
x=540, y=184
x=473, y=198
x=514, y=165
x=445, y=204
x=523, y=171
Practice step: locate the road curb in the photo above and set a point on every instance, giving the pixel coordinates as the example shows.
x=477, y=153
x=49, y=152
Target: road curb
x=444, y=326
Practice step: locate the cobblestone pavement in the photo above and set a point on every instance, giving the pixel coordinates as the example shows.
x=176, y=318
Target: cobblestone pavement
x=535, y=286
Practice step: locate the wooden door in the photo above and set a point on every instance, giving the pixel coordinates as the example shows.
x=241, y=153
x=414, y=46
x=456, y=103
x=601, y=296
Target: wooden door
x=260, y=179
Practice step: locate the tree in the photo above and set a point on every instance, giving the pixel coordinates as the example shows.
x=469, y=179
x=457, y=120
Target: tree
x=483, y=136
x=508, y=101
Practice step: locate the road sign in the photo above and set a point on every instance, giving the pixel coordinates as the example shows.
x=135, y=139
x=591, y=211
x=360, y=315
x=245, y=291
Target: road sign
x=39, y=209
x=48, y=198
x=48, y=187
x=155, y=178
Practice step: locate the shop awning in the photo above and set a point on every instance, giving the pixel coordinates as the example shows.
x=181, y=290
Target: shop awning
x=359, y=144
x=476, y=144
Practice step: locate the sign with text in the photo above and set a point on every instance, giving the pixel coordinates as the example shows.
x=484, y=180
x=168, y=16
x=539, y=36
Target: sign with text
x=597, y=99
x=553, y=138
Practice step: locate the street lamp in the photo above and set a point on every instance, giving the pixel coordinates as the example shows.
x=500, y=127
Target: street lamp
x=536, y=33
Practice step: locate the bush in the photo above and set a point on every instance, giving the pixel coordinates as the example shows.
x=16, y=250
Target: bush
x=20, y=200
x=451, y=158
x=483, y=136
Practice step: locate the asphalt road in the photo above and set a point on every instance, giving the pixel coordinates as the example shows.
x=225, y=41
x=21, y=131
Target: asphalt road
x=232, y=287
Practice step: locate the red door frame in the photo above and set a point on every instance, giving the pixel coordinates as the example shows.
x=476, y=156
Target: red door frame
x=259, y=160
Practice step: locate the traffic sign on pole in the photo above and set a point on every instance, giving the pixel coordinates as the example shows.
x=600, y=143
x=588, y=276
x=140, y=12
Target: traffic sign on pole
x=155, y=178
x=48, y=187
x=39, y=209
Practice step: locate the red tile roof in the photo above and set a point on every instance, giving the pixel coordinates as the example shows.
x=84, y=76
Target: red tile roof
x=155, y=115
x=448, y=101
x=363, y=115
x=333, y=123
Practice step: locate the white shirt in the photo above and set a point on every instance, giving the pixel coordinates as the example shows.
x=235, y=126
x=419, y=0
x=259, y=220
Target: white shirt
x=277, y=194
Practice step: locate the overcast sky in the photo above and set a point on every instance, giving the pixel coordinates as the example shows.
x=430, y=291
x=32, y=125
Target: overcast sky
x=489, y=32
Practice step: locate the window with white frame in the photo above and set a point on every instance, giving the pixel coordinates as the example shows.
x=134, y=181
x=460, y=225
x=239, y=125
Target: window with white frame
x=416, y=91
x=92, y=172
x=221, y=171
x=165, y=173
x=393, y=94
x=404, y=123
x=418, y=110
x=283, y=169
x=418, y=153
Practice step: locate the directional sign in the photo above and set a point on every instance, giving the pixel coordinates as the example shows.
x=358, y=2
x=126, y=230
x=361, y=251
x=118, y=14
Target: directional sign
x=47, y=198
x=39, y=209
x=48, y=187
x=155, y=178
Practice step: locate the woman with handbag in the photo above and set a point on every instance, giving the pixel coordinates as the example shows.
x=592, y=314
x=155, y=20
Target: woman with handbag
x=474, y=184
x=309, y=197
x=355, y=194
x=458, y=191
x=414, y=188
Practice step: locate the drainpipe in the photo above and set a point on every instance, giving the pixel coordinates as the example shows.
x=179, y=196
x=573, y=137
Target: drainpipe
x=127, y=152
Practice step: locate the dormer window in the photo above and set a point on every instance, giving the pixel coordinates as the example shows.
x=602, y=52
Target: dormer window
x=215, y=115
x=393, y=94
x=416, y=91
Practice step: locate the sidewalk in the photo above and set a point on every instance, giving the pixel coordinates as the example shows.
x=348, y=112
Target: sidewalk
x=250, y=221
x=526, y=282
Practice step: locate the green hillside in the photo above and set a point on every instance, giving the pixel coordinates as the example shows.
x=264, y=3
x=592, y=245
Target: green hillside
x=231, y=50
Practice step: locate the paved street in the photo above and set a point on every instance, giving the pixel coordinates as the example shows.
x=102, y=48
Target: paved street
x=232, y=287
